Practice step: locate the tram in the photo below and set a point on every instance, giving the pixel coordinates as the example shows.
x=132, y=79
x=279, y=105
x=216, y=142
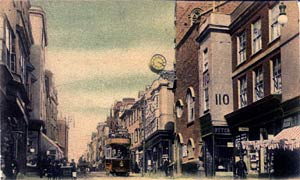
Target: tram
x=117, y=154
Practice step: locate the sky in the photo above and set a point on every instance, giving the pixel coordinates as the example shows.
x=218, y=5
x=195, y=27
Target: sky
x=99, y=53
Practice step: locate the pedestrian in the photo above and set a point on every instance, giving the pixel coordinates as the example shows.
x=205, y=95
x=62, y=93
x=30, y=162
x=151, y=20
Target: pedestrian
x=73, y=169
x=136, y=168
x=241, y=169
x=15, y=168
x=166, y=167
x=50, y=169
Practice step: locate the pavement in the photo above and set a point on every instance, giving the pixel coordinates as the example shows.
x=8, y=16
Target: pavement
x=102, y=176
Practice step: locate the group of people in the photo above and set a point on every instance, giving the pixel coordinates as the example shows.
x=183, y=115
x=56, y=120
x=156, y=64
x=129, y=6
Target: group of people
x=53, y=168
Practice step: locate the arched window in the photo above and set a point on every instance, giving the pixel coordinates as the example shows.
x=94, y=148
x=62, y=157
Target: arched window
x=179, y=108
x=190, y=148
x=190, y=102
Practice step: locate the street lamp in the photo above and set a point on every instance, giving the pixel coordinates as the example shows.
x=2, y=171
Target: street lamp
x=282, y=18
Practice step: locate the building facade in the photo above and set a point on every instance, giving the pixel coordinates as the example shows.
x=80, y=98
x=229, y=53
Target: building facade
x=16, y=81
x=132, y=119
x=38, y=113
x=216, y=88
x=158, y=125
x=265, y=74
x=63, y=135
x=51, y=106
x=200, y=38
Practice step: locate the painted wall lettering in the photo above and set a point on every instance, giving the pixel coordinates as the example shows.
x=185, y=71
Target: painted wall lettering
x=222, y=99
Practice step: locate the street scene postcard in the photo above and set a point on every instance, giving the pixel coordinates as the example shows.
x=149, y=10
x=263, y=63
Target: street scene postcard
x=149, y=89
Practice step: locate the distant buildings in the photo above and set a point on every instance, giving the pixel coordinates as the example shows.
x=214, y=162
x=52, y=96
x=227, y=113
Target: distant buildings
x=51, y=106
x=63, y=135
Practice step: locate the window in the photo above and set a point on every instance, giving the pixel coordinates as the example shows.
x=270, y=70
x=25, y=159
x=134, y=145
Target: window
x=190, y=148
x=243, y=92
x=190, y=105
x=22, y=64
x=10, y=48
x=205, y=90
x=259, y=84
x=205, y=59
x=276, y=75
x=179, y=108
x=256, y=36
x=242, y=47
x=274, y=25
x=136, y=136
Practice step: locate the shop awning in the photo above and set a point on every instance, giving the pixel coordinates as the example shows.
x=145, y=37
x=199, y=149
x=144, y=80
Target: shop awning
x=292, y=133
x=287, y=139
x=48, y=144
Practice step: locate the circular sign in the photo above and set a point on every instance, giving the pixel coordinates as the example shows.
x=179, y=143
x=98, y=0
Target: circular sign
x=157, y=63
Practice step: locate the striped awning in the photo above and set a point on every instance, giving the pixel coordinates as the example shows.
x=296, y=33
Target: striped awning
x=287, y=139
x=292, y=133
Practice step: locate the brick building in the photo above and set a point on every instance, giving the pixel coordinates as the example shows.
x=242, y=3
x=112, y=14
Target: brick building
x=265, y=74
x=189, y=92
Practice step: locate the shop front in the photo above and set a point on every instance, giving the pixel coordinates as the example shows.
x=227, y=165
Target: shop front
x=50, y=148
x=279, y=156
x=158, y=149
x=34, y=143
x=217, y=148
x=258, y=121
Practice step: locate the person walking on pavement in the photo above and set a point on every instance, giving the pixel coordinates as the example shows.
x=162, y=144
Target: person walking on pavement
x=241, y=169
x=166, y=167
x=73, y=169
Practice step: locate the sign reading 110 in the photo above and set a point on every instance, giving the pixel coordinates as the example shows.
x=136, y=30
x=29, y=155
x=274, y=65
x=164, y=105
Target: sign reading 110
x=222, y=99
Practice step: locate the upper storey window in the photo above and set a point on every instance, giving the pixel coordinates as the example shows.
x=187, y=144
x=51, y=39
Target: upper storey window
x=241, y=47
x=256, y=36
x=274, y=25
x=190, y=101
x=259, y=84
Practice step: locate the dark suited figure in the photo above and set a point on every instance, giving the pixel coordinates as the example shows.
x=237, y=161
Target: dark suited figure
x=241, y=169
x=166, y=167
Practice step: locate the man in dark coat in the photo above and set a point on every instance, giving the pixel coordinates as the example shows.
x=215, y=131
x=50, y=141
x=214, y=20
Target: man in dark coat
x=73, y=169
x=241, y=169
x=166, y=167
